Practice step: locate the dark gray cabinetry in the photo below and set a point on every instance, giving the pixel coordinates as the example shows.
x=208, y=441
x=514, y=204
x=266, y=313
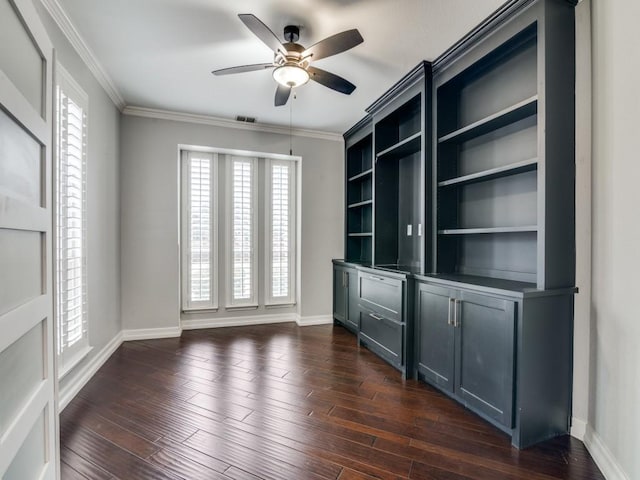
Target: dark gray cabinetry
x=435, y=335
x=484, y=354
x=359, y=193
x=345, y=296
x=383, y=308
x=465, y=347
x=461, y=179
x=502, y=353
x=504, y=169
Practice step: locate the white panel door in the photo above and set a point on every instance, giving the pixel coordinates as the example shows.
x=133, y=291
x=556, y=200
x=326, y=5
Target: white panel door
x=28, y=412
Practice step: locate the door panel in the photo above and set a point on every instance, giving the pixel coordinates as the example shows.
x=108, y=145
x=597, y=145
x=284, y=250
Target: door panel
x=353, y=311
x=20, y=253
x=339, y=294
x=31, y=459
x=28, y=411
x=485, y=349
x=21, y=366
x=435, y=335
x=20, y=163
x=22, y=63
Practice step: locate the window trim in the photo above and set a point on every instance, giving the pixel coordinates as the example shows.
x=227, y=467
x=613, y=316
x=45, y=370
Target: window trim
x=290, y=300
x=253, y=301
x=185, y=163
x=70, y=357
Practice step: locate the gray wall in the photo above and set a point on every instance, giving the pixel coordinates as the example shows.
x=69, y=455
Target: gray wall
x=150, y=206
x=615, y=336
x=103, y=198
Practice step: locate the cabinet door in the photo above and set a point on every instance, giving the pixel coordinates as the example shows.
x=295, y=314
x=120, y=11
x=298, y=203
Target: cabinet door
x=340, y=294
x=436, y=335
x=353, y=312
x=485, y=351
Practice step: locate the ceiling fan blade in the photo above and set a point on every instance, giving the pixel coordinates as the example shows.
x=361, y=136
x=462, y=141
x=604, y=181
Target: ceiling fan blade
x=243, y=68
x=261, y=31
x=282, y=95
x=331, y=80
x=337, y=43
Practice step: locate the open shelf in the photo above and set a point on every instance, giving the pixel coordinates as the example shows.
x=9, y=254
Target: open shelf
x=519, y=111
x=402, y=149
x=361, y=204
x=361, y=175
x=493, y=173
x=478, y=231
x=361, y=234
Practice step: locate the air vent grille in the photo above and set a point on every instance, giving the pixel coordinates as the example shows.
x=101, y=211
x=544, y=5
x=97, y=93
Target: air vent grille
x=242, y=118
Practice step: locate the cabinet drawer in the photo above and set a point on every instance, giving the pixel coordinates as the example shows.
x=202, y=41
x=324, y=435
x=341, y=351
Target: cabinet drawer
x=385, y=334
x=382, y=295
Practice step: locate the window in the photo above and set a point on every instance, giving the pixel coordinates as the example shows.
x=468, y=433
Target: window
x=280, y=223
x=256, y=198
x=199, y=232
x=243, y=231
x=71, y=221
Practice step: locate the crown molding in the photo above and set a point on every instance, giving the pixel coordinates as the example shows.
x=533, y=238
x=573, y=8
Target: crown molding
x=77, y=42
x=226, y=123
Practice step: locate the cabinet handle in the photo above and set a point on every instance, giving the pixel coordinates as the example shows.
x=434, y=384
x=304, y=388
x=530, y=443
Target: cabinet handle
x=380, y=279
x=346, y=280
x=456, y=313
x=449, y=318
x=376, y=317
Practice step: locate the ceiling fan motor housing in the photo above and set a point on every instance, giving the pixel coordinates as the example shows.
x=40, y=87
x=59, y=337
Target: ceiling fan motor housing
x=291, y=33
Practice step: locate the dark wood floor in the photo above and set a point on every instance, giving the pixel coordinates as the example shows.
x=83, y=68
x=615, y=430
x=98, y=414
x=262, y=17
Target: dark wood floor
x=282, y=402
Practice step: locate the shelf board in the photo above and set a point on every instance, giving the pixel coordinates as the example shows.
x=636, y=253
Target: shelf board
x=362, y=234
x=402, y=149
x=476, y=231
x=493, y=173
x=361, y=175
x=360, y=204
x=500, y=119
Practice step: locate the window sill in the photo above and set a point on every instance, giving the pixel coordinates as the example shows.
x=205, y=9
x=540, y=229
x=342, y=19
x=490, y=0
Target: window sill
x=200, y=310
x=235, y=308
x=269, y=306
x=73, y=362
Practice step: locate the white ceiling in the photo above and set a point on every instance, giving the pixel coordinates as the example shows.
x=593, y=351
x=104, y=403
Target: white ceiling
x=159, y=53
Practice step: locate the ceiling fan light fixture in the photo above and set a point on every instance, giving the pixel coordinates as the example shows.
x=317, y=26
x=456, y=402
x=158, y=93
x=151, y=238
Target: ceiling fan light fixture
x=291, y=76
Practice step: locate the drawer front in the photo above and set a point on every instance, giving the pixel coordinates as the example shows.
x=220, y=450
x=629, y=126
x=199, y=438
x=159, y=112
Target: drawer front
x=381, y=295
x=385, y=333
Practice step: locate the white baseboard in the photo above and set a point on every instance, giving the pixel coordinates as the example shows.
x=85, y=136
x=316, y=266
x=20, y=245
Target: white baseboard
x=76, y=382
x=314, y=320
x=239, y=321
x=151, y=333
x=603, y=457
x=578, y=428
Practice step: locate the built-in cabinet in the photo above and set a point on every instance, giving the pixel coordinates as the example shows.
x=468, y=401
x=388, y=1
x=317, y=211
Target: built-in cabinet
x=359, y=195
x=466, y=346
x=345, y=296
x=385, y=320
x=464, y=246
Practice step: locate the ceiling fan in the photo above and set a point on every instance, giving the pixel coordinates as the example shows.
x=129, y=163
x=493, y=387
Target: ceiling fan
x=292, y=62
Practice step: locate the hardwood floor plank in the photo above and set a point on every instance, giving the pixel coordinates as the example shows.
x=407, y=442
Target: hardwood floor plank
x=280, y=402
x=252, y=459
x=85, y=468
x=110, y=457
